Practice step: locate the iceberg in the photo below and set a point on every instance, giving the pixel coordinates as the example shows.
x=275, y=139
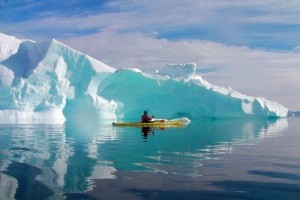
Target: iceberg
x=174, y=96
x=49, y=82
x=8, y=46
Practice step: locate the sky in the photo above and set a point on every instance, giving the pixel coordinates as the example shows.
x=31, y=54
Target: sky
x=252, y=46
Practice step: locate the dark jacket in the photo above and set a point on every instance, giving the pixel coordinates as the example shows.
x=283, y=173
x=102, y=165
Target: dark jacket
x=146, y=118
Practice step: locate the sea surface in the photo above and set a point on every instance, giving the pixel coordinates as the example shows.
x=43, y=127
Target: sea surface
x=208, y=159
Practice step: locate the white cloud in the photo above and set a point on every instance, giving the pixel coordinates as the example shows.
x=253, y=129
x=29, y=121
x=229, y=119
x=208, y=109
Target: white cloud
x=201, y=11
x=226, y=17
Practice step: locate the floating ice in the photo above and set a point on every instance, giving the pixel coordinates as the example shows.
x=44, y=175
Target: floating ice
x=49, y=82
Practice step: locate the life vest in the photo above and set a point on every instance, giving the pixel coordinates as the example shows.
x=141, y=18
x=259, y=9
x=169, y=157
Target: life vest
x=145, y=118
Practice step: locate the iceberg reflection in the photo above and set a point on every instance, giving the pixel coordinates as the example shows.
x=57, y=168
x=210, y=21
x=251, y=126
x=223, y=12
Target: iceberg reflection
x=68, y=158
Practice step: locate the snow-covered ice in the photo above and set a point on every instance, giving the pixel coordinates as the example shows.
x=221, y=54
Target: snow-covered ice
x=49, y=82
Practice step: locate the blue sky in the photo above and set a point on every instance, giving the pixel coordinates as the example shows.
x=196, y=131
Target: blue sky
x=231, y=41
x=256, y=24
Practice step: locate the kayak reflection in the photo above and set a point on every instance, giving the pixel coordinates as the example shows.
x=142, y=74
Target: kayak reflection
x=146, y=131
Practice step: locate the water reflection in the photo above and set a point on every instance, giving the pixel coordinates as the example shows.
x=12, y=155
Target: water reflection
x=182, y=151
x=146, y=131
x=33, y=152
x=68, y=158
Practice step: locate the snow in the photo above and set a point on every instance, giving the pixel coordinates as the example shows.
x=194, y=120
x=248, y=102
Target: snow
x=49, y=82
x=8, y=46
x=179, y=72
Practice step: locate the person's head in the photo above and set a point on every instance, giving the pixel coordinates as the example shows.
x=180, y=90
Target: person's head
x=145, y=112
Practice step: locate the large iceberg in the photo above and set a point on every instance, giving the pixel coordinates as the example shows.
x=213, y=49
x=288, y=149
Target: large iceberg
x=49, y=82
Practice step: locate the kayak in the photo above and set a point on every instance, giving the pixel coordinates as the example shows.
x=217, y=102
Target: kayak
x=180, y=122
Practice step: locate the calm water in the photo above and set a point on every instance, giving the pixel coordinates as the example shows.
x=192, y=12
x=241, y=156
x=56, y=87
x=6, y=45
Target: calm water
x=212, y=159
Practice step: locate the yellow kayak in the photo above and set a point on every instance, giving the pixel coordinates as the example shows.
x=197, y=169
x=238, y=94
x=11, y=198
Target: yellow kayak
x=156, y=123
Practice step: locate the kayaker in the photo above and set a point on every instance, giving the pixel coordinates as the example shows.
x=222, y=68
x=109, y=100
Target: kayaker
x=145, y=117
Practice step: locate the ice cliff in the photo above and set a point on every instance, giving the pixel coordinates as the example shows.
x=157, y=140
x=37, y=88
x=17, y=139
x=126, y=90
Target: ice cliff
x=49, y=82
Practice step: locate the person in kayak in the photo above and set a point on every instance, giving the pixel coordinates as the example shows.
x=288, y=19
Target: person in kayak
x=146, y=118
